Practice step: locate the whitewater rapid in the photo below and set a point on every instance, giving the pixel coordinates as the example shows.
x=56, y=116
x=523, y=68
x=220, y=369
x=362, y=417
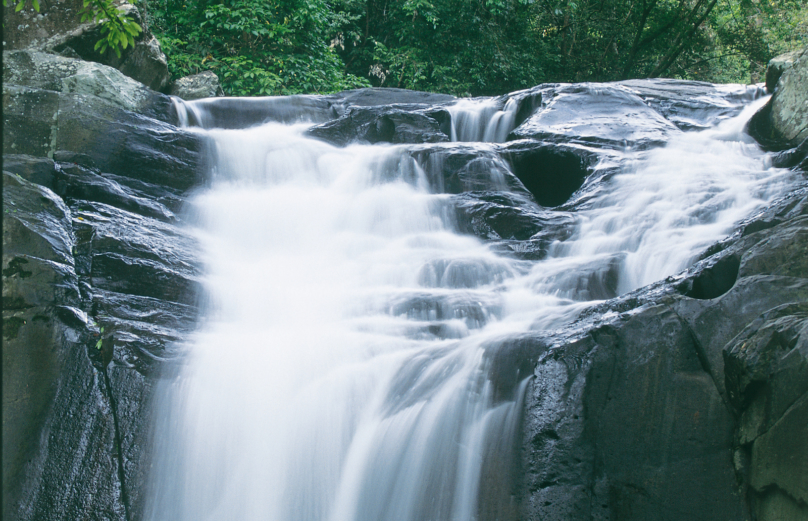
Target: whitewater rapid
x=339, y=372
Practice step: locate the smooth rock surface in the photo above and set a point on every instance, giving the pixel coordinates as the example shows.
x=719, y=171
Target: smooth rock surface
x=599, y=114
x=372, y=125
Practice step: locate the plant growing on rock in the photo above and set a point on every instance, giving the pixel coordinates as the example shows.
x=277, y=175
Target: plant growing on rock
x=119, y=30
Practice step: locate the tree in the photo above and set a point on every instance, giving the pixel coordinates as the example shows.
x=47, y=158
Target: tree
x=470, y=47
x=257, y=47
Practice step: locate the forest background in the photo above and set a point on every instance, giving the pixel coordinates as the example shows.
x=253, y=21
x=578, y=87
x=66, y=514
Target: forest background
x=469, y=47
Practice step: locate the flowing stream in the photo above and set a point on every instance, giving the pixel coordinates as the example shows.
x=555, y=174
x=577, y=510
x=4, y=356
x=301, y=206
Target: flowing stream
x=340, y=370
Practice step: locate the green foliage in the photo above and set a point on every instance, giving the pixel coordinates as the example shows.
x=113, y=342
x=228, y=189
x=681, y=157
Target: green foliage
x=256, y=47
x=20, y=4
x=456, y=46
x=470, y=47
x=118, y=30
x=100, y=342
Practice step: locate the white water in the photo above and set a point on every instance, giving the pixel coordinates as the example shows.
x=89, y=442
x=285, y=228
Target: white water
x=339, y=372
x=482, y=120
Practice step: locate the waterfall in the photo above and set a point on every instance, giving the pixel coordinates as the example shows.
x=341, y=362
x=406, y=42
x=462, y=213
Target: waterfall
x=340, y=371
x=482, y=120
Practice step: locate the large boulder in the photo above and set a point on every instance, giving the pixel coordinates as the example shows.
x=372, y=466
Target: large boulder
x=783, y=122
x=198, y=86
x=789, y=111
x=777, y=66
x=58, y=28
x=50, y=72
x=56, y=22
x=600, y=114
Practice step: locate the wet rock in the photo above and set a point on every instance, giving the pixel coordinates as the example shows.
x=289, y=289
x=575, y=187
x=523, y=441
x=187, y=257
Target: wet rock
x=241, y=112
x=657, y=396
x=766, y=368
x=198, y=86
x=597, y=114
x=692, y=104
x=624, y=423
x=475, y=310
x=372, y=125
x=55, y=412
x=467, y=168
x=42, y=122
x=552, y=173
x=779, y=466
x=495, y=215
x=98, y=281
x=373, y=97
x=713, y=279
x=248, y=112
x=49, y=72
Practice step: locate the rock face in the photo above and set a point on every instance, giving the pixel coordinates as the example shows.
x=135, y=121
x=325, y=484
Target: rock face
x=686, y=399
x=681, y=407
x=98, y=280
x=57, y=28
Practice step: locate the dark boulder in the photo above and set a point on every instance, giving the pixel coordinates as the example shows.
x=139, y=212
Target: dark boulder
x=375, y=125
x=496, y=215
x=99, y=116
x=466, y=168
x=604, y=115
x=56, y=411
x=692, y=104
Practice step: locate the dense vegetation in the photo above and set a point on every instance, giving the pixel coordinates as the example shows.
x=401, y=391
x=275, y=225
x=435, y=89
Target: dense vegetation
x=470, y=47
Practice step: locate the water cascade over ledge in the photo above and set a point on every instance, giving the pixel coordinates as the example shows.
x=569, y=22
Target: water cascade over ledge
x=346, y=366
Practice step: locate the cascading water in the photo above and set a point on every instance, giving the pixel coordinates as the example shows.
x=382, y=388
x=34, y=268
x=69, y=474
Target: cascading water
x=340, y=370
x=482, y=120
